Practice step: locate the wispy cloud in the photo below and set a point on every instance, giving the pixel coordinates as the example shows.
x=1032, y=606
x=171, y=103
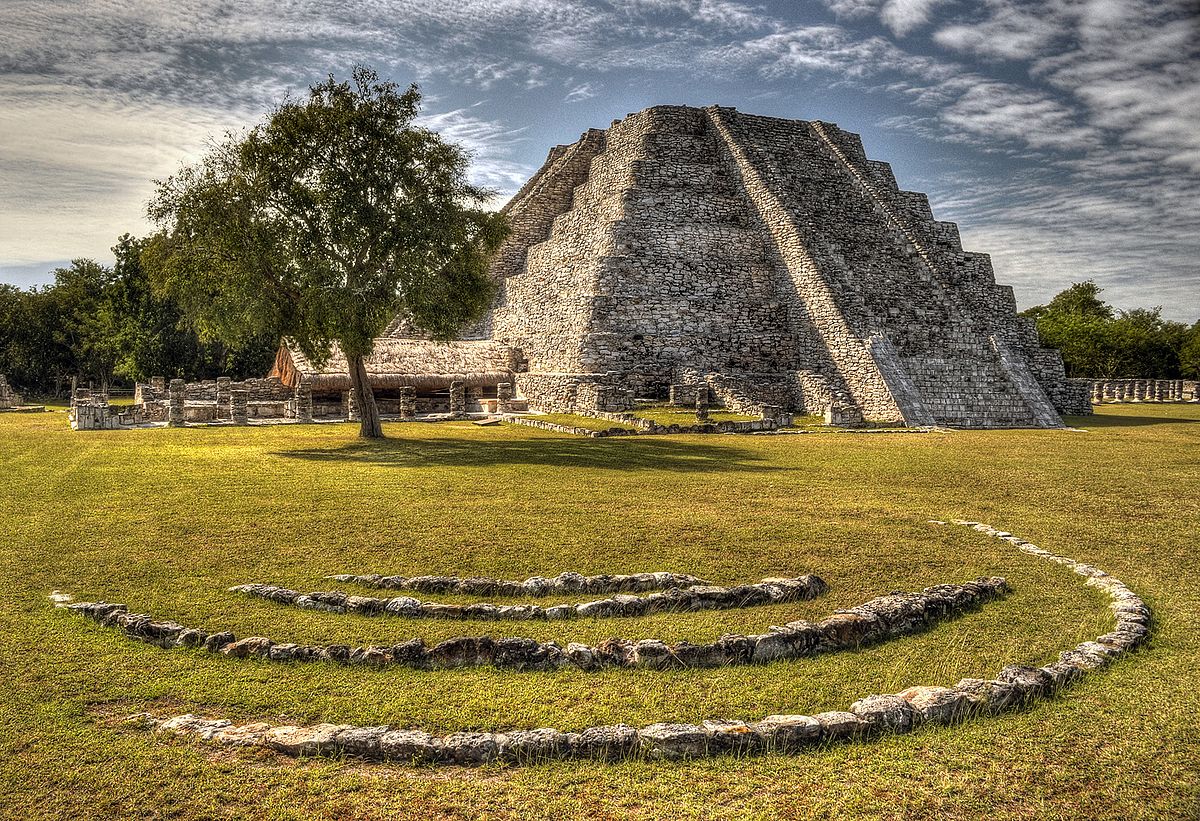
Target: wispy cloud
x=1072, y=123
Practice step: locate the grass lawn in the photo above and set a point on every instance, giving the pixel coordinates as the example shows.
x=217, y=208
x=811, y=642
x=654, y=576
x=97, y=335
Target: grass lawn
x=166, y=520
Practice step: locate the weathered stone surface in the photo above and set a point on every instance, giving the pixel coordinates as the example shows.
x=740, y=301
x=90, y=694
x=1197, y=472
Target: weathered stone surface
x=608, y=742
x=244, y=648
x=320, y=738
x=990, y=695
x=938, y=705
x=365, y=742
x=1030, y=682
x=885, y=713
x=837, y=725
x=412, y=746
x=673, y=741
x=189, y=724
x=788, y=732
x=735, y=737
x=243, y=735
x=531, y=746
x=472, y=748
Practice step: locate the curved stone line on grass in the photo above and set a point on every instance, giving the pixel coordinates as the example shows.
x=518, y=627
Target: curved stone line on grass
x=881, y=618
x=671, y=600
x=534, y=586
x=875, y=715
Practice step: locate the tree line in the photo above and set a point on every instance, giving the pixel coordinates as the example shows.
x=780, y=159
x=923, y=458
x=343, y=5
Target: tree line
x=1097, y=341
x=109, y=326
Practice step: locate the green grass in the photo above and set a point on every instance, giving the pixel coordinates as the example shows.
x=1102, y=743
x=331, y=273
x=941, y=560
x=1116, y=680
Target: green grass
x=671, y=415
x=165, y=520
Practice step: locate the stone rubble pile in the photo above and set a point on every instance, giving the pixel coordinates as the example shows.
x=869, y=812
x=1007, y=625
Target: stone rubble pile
x=877, y=620
x=672, y=600
x=872, y=716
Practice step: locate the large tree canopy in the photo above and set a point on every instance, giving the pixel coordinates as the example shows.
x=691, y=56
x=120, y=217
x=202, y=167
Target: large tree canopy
x=323, y=223
x=1099, y=342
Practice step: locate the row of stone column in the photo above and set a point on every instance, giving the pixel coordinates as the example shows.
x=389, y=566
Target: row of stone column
x=1143, y=390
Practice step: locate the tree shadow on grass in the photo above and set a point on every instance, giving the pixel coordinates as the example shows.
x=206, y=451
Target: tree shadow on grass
x=626, y=453
x=1113, y=420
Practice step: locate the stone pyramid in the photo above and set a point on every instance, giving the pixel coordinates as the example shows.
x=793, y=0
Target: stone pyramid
x=767, y=261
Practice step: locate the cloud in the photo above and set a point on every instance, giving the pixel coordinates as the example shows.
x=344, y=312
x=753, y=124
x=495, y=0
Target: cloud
x=901, y=16
x=580, y=93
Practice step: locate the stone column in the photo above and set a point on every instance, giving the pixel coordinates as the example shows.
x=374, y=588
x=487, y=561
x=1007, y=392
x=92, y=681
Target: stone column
x=504, y=394
x=304, y=403
x=175, y=406
x=702, y=405
x=458, y=400
x=349, y=406
x=224, y=386
x=239, y=400
x=408, y=402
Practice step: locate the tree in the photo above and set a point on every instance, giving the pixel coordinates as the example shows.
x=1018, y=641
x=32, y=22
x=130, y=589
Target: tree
x=1189, y=354
x=1099, y=342
x=324, y=222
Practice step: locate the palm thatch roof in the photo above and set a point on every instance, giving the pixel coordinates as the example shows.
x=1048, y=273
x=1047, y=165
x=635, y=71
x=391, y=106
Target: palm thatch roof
x=395, y=363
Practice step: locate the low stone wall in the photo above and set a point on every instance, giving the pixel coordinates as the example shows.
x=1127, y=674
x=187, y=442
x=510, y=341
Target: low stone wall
x=1014, y=686
x=536, y=586
x=1144, y=390
x=644, y=426
x=673, y=600
x=878, y=620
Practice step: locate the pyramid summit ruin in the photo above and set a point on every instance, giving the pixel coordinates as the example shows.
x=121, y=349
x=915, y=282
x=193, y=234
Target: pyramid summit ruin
x=765, y=261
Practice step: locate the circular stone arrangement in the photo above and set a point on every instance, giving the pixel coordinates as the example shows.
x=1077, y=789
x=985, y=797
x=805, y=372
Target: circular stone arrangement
x=879, y=619
x=675, y=597
x=870, y=716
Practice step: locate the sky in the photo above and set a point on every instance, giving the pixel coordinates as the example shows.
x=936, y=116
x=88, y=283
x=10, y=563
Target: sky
x=1063, y=136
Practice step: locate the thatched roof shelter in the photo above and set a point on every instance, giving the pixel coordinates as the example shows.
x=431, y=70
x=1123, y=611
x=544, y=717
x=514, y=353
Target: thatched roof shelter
x=395, y=363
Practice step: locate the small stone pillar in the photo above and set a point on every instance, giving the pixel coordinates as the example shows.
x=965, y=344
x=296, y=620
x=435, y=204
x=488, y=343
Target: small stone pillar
x=239, y=401
x=350, y=406
x=1097, y=393
x=701, y=405
x=304, y=403
x=224, y=386
x=504, y=394
x=458, y=400
x=1139, y=390
x=408, y=402
x=175, y=406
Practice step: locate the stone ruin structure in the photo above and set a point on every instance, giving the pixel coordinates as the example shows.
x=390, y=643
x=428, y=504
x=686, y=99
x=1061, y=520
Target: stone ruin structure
x=767, y=262
x=9, y=398
x=1144, y=390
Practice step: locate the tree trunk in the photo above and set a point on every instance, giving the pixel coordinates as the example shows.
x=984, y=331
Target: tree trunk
x=364, y=396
